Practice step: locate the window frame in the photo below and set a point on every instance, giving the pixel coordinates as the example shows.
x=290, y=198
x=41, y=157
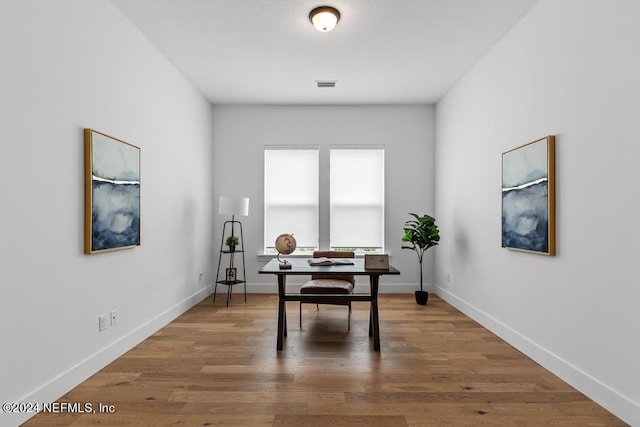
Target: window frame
x=323, y=197
x=359, y=249
x=268, y=243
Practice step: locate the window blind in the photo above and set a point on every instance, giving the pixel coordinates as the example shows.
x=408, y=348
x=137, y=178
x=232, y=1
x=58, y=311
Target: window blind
x=357, y=198
x=291, y=180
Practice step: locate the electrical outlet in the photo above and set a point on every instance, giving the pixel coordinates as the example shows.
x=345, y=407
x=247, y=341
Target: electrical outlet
x=201, y=278
x=114, y=317
x=102, y=322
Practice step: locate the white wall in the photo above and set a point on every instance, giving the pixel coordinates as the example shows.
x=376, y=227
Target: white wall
x=570, y=68
x=67, y=65
x=241, y=132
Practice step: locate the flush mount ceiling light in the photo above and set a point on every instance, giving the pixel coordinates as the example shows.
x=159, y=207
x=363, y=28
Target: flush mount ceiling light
x=324, y=18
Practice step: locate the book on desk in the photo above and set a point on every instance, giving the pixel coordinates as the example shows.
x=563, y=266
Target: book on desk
x=329, y=261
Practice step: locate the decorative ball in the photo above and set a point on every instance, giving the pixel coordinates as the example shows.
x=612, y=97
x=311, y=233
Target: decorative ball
x=285, y=244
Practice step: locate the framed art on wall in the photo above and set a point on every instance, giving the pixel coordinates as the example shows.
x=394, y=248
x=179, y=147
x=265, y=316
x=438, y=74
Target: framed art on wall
x=528, y=197
x=112, y=193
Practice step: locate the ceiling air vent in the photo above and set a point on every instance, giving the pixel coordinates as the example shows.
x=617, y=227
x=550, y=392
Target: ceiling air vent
x=326, y=83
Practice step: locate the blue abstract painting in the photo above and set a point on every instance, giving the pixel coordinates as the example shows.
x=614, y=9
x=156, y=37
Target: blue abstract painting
x=113, y=190
x=527, y=197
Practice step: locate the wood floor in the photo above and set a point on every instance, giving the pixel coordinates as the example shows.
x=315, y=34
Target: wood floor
x=218, y=366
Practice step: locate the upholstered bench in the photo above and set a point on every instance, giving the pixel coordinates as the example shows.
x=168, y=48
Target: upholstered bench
x=329, y=284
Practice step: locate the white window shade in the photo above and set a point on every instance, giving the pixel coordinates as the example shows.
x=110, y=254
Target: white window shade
x=357, y=198
x=291, y=180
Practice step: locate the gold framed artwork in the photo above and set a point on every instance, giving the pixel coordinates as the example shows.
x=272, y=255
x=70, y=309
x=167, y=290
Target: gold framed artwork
x=112, y=193
x=528, y=197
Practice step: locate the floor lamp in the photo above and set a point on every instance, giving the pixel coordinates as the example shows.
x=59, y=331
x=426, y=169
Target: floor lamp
x=231, y=205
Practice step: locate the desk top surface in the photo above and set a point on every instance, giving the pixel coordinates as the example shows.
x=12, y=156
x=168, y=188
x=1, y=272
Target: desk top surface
x=300, y=266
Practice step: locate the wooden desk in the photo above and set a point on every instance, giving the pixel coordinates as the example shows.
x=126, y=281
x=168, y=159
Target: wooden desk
x=301, y=267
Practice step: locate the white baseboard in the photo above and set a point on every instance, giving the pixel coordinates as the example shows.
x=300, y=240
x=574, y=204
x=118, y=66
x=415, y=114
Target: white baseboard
x=67, y=380
x=619, y=405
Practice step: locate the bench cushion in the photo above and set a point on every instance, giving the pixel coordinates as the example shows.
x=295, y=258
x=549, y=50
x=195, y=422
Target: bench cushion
x=327, y=286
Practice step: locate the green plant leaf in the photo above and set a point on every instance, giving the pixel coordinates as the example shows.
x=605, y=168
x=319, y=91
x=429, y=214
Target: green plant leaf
x=422, y=233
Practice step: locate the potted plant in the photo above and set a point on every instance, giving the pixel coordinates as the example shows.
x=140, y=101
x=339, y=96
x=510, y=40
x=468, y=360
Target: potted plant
x=232, y=241
x=421, y=233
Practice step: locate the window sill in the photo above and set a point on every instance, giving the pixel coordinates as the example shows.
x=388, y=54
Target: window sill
x=268, y=256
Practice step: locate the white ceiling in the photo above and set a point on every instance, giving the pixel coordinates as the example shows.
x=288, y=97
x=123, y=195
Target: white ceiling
x=267, y=51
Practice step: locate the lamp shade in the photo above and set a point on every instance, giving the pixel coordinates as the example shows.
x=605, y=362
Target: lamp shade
x=231, y=205
x=324, y=18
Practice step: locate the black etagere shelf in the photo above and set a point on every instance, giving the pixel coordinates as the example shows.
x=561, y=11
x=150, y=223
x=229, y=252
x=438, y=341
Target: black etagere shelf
x=229, y=261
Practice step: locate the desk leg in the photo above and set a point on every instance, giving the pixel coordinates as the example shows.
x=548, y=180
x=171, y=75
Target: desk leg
x=374, y=279
x=281, y=312
x=370, y=320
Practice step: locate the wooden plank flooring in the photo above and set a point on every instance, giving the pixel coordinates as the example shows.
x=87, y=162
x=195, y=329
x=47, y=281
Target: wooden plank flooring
x=218, y=366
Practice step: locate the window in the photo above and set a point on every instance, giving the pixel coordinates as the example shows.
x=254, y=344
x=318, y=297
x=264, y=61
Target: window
x=291, y=190
x=353, y=218
x=356, y=199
